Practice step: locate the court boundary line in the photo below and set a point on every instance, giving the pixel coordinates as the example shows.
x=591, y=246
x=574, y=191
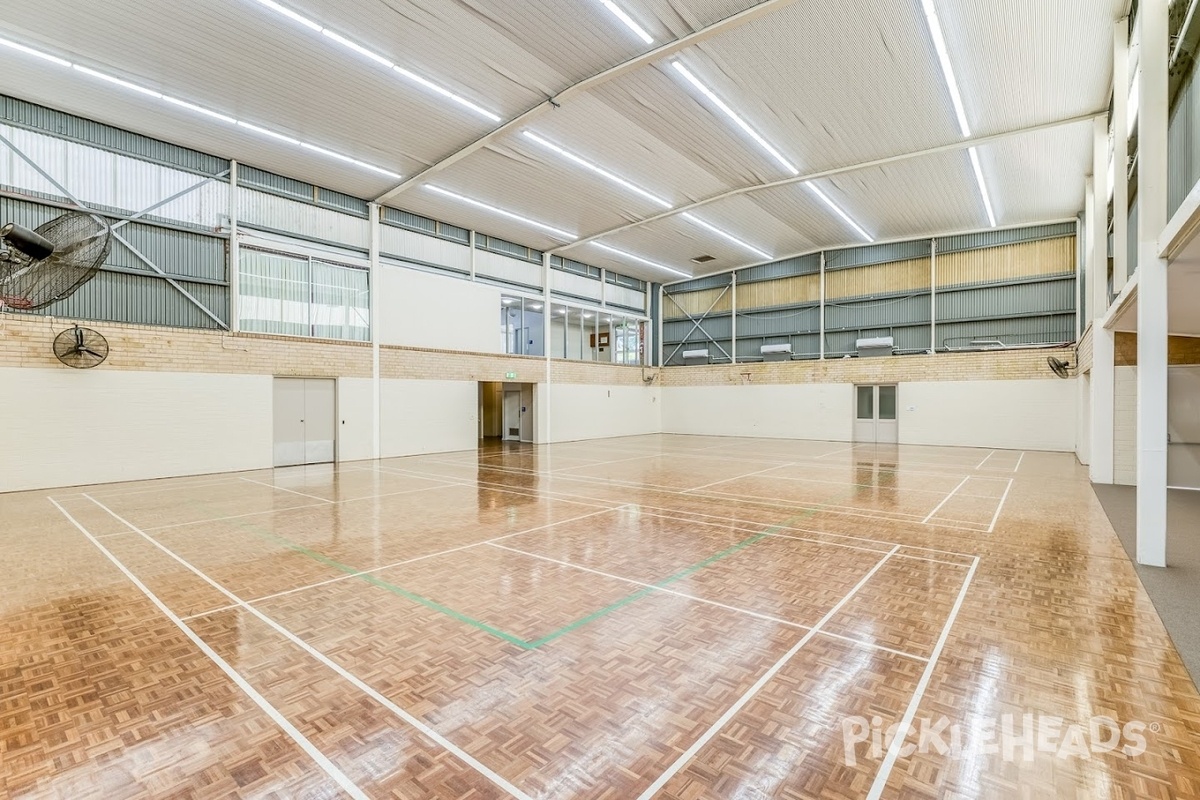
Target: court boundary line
x=902, y=731
x=323, y=761
x=945, y=500
x=282, y=489
x=569, y=497
x=1000, y=507
x=687, y=755
x=985, y=460
x=1020, y=458
x=422, y=727
x=706, y=601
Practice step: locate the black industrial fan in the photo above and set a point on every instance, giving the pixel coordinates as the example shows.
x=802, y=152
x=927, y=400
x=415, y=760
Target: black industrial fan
x=81, y=348
x=1059, y=367
x=40, y=266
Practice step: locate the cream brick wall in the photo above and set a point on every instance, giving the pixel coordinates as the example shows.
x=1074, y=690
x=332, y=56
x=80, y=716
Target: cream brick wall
x=1125, y=426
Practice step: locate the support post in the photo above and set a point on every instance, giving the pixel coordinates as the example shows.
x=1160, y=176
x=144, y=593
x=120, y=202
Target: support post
x=374, y=210
x=933, y=295
x=1152, y=287
x=471, y=244
x=821, y=301
x=733, y=318
x=1120, y=138
x=235, y=264
x=546, y=326
x=1103, y=379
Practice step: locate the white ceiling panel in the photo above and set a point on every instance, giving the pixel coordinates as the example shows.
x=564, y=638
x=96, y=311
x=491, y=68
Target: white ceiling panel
x=1038, y=176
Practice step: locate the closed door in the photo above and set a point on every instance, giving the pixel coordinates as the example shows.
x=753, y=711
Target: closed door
x=512, y=414
x=875, y=414
x=1183, y=427
x=304, y=424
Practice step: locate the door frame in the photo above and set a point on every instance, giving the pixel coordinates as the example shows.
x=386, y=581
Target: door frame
x=337, y=414
x=860, y=424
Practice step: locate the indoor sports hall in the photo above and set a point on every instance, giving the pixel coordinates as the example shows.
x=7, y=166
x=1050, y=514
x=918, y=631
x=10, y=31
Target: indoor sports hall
x=600, y=399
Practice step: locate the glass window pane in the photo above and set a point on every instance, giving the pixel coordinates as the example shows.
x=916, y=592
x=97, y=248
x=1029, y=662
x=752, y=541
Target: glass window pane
x=866, y=402
x=558, y=331
x=510, y=323
x=887, y=402
x=534, y=331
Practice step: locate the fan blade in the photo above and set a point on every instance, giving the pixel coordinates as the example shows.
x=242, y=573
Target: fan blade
x=90, y=352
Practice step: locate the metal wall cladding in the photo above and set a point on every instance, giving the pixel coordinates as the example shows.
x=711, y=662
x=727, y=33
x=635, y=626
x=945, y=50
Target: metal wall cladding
x=575, y=285
x=1131, y=243
x=698, y=284
x=1183, y=144
x=842, y=343
x=32, y=116
x=1011, y=332
x=878, y=314
x=806, y=345
x=415, y=222
x=120, y=297
x=779, y=292
x=986, y=239
x=509, y=270
x=505, y=247
x=275, y=213
x=424, y=249
x=1038, y=297
x=783, y=322
x=799, y=265
x=178, y=253
x=1007, y=263
x=624, y=296
x=715, y=327
x=876, y=254
x=719, y=352
x=878, y=279
x=696, y=304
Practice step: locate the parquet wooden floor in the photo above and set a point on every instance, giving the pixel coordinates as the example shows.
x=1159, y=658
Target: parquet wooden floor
x=660, y=616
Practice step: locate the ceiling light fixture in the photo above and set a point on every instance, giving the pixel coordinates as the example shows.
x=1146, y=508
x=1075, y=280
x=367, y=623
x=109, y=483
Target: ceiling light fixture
x=939, y=44
x=463, y=199
x=987, y=203
x=596, y=168
x=377, y=58
x=198, y=109
x=620, y=14
x=837, y=209
x=639, y=259
x=690, y=217
x=729, y=112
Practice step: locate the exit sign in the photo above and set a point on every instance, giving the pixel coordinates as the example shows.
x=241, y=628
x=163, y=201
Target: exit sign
x=510, y=375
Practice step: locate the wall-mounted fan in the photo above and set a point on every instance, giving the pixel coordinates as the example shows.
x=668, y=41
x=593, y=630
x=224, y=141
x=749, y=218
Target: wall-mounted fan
x=40, y=266
x=1059, y=367
x=81, y=348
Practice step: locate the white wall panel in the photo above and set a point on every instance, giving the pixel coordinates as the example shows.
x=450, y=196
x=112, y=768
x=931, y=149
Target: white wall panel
x=581, y=411
x=355, y=412
x=428, y=416
x=425, y=249
x=788, y=411
x=514, y=270
x=281, y=214
x=1125, y=426
x=575, y=285
x=419, y=309
x=1017, y=415
x=136, y=425
x=624, y=296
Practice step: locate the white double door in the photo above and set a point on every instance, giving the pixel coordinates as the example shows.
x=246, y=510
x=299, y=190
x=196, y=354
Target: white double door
x=304, y=421
x=875, y=414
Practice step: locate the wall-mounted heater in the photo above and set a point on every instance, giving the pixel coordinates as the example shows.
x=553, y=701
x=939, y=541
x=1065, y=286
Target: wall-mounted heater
x=693, y=357
x=875, y=346
x=776, y=352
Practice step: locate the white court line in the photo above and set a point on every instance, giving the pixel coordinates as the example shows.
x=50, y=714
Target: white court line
x=945, y=499
x=360, y=573
x=996, y=516
x=734, y=478
x=112, y=493
x=903, y=730
x=462, y=755
x=290, y=491
x=673, y=513
x=985, y=459
x=1020, y=458
x=287, y=727
x=746, y=611
x=833, y=452
x=753, y=690
x=877, y=487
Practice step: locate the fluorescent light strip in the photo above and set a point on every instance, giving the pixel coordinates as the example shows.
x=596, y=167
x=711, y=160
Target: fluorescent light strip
x=583, y=162
x=620, y=14
x=939, y=44
x=208, y=112
x=690, y=217
x=463, y=199
x=825, y=198
x=378, y=59
x=729, y=112
x=987, y=203
x=640, y=260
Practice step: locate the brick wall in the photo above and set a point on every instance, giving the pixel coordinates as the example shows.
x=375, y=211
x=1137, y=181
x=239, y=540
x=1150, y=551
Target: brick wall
x=1181, y=350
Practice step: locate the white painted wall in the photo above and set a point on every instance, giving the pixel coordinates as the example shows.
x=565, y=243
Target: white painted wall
x=580, y=411
x=1017, y=415
x=355, y=412
x=428, y=416
x=1083, y=424
x=419, y=309
x=69, y=427
x=785, y=411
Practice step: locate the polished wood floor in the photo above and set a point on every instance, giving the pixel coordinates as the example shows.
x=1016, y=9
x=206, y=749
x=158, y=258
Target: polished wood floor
x=660, y=616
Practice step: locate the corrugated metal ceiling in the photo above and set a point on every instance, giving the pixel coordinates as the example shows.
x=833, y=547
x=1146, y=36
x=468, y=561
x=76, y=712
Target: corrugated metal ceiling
x=829, y=85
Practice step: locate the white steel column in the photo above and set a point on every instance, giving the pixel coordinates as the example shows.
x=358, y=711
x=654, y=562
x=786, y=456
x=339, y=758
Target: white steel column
x=373, y=213
x=933, y=295
x=1103, y=373
x=1120, y=135
x=235, y=266
x=661, y=313
x=471, y=244
x=733, y=317
x=546, y=326
x=1152, y=287
x=821, y=296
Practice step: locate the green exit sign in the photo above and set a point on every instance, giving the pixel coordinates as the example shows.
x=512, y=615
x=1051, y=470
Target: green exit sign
x=510, y=375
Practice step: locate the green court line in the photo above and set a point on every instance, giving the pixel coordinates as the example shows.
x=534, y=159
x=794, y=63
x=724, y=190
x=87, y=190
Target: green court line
x=508, y=637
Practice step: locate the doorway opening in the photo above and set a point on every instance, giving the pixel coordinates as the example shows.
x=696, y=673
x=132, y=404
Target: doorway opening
x=304, y=421
x=875, y=414
x=506, y=412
